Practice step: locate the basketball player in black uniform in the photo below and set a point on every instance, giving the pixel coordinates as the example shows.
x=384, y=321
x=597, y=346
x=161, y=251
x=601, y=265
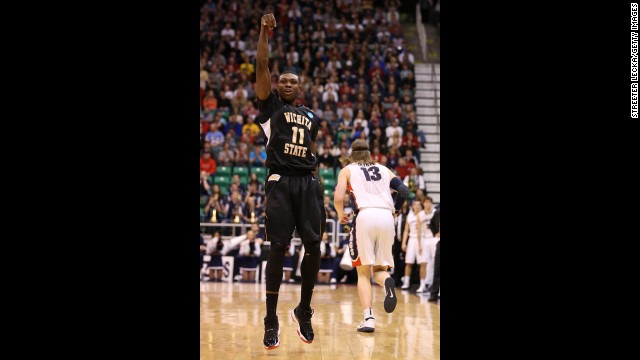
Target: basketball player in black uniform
x=291, y=187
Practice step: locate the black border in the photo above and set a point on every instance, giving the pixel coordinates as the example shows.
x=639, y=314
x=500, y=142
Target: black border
x=537, y=146
x=113, y=259
x=538, y=159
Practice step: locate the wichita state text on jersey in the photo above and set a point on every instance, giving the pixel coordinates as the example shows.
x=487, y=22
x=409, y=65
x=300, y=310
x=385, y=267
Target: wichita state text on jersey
x=298, y=134
x=290, y=130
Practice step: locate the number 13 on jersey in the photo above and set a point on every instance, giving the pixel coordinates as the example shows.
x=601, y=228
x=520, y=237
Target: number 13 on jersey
x=375, y=173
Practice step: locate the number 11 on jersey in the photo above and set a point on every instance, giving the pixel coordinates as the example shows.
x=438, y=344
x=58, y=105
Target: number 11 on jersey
x=295, y=134
x=296, y=148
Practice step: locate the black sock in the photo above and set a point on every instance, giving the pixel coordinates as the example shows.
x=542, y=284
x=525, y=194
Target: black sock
x=273, y=275
x=309, y=271
x=272, y=305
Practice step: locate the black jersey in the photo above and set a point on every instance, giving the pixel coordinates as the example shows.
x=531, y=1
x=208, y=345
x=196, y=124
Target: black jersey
x=289, y=130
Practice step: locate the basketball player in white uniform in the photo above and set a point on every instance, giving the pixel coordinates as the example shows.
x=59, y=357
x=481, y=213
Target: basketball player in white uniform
x=429, y=243
x=372, y=236
x=414, y=245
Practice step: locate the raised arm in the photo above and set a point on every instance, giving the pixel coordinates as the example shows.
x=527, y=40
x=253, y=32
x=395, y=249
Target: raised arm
x=263, y=76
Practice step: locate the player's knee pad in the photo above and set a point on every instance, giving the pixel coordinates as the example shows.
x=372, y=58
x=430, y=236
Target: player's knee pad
x=276, y=257
x=311, y=262
x=273, y=273
x=312, y=249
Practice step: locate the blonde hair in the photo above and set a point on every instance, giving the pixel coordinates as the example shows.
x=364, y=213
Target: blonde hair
x=359, y=154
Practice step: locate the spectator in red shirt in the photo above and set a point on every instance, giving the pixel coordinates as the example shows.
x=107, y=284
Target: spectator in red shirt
x=402, y=169
x=207, y=164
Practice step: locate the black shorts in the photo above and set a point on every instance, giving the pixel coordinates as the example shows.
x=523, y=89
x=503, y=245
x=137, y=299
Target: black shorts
x=292, y=203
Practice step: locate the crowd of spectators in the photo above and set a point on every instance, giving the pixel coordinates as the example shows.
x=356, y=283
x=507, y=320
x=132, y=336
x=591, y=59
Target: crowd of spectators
x=356, y=75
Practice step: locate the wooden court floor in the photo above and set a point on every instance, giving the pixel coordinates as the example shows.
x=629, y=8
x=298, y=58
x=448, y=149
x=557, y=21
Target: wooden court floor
x=231, y=324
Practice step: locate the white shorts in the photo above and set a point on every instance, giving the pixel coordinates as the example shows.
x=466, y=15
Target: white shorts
x=412, y=251
x=374, y=235
x=431, y=243
x=431, y=255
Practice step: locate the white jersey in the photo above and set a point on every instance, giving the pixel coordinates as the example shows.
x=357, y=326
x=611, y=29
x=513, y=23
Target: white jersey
x=369, y=186
x=412, y=222
x=426, y=219
x=413, y=255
